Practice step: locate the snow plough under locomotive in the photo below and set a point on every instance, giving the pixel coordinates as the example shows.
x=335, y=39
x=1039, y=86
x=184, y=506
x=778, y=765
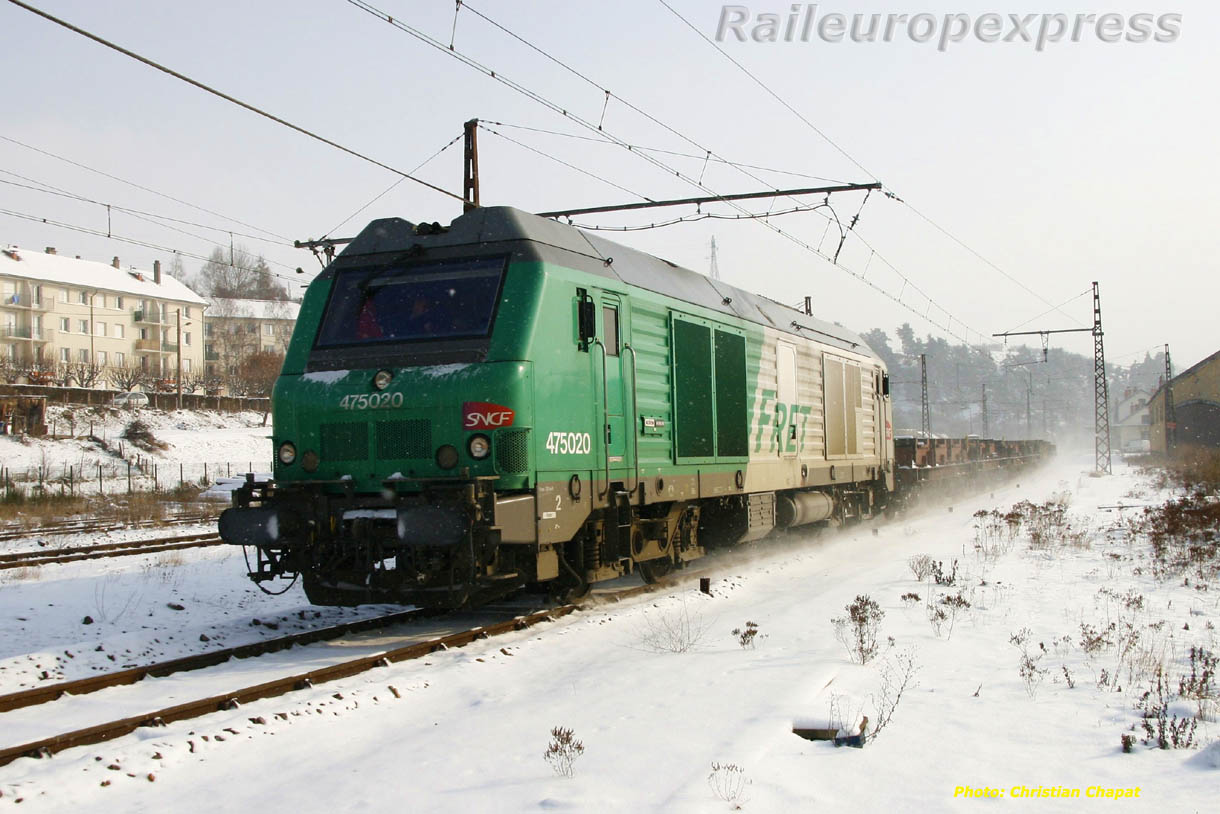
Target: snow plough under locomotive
x=508, y=401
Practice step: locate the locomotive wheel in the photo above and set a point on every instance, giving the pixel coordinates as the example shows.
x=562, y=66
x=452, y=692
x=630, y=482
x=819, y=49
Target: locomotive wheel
x=565, y=593
x=319, y=594
x=655, y=570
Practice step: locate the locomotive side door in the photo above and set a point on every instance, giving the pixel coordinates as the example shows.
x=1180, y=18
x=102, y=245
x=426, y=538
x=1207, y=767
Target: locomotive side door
x=614, y=433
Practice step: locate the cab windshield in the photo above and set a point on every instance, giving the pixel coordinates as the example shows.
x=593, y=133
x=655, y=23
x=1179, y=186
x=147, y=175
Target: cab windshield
x=410, y=303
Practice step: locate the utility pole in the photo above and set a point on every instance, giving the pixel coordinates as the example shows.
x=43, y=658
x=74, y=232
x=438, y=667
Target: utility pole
x=926, y=425
x=1171, y=416
x=713, y=270
x=986, y=423
x=1101, y=388
x=179, y=346
x=470, y=167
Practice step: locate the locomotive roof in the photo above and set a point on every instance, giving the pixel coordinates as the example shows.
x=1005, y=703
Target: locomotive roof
x=558, y=242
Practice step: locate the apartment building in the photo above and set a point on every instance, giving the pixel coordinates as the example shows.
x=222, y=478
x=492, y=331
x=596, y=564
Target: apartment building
x=237, y=328
x=59, y=313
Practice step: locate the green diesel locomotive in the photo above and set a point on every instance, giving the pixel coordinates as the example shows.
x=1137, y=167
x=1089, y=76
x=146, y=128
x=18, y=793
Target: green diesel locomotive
x=508, y=401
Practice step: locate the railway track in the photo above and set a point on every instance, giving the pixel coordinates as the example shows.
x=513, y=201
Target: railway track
x=29, y=559
x=17, y=532
x=214, y=702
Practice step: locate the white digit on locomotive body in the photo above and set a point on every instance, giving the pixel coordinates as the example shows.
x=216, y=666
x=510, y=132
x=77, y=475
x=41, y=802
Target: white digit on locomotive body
x=373, y=401
x=569, y=443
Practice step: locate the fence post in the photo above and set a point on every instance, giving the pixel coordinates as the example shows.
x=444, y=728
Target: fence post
x=100, y=489
x=72, y=479
x=181, y=472
x=205, y=474
x=129, y=477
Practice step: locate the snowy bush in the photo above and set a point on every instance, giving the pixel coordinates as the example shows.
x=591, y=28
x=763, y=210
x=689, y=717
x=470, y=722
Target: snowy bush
x=897, y=675
x=858, y=630
x=1167, y=730
x=562, y=751
x=728, y=782
x=921, y=566
x=674, y=631
x=747, y=635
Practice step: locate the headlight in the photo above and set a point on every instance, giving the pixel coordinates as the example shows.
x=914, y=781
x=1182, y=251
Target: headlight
x=382, y=380
x=479, y=446
x=447, y=457
x=288, y=453
x=309, y=461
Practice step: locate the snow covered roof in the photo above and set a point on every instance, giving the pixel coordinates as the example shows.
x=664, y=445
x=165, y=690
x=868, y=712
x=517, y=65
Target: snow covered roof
x=92, y=275
x=225, y=307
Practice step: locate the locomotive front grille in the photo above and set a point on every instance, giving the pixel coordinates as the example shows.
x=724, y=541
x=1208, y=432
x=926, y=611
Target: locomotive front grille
x=348, y=441
x=408, y=438
x=513, y=451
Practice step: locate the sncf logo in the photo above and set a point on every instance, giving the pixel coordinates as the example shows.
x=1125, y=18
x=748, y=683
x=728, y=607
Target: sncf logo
x=483, y=415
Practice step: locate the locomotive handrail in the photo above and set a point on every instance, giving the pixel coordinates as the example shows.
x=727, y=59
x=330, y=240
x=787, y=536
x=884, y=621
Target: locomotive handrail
x=635, y=430
x=605, y=419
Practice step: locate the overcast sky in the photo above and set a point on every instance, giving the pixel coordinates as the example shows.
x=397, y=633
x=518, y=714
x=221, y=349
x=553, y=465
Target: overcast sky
x=1085, y=161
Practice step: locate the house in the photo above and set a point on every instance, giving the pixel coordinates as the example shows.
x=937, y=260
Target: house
x=1196, y=405
x=67, y=320
x=1132, y=420
x=236, y=328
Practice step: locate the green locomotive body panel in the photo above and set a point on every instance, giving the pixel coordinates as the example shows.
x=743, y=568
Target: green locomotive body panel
x=620, y=397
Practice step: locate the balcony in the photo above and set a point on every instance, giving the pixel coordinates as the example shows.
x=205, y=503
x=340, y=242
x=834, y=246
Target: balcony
x=33, y=334
x=211, y=356
x=25, y=302
x=148, y=317
x=149, y=346
x=169, y=347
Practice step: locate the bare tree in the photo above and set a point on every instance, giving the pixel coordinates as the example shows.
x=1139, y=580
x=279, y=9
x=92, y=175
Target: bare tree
x=240, y=274
x=127, y=377
x=62, y=374
x=10, y=369
x=87, y=374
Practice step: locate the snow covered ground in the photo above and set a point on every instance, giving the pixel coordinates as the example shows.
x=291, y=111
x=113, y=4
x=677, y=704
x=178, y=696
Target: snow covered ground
x=228, y=443
x=466, y=729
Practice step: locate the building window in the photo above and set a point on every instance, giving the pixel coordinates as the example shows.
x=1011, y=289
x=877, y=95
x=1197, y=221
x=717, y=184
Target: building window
x=38, y=295
x=99, y=300
x=268, y=349
x=82, y=297
x=101, y=357
x=83, y=355
x=207, y=329
x=186, y=312
x=144, y=333
x=251, y=328
x=269, y=329
x=186, y=337
x=82, y=326
x=99, y=329
x=186, y=365
x=65, y=355
x=119, y=359
x=118, y=331
x=118, y=303
x=65, y=325
x=63, y=295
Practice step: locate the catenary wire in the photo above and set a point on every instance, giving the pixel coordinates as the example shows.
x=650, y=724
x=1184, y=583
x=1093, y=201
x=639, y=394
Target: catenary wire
x=228, y=98
x=140, y=187
x=832, y=143
x=598, y=128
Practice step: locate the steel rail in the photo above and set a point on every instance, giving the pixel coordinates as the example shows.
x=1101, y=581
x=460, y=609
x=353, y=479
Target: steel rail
x=28, y=559
x=83, y=686
x=271, y=689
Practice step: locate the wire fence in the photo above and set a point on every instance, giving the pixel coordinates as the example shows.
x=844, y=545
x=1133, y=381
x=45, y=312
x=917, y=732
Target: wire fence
x=136, y=474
